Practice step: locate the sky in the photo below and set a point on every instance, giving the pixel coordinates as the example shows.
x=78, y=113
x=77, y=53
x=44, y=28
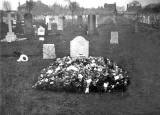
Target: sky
x=84, y=3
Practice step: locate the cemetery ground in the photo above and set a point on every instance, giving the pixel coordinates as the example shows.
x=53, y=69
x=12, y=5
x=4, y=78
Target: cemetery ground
x=138, y=53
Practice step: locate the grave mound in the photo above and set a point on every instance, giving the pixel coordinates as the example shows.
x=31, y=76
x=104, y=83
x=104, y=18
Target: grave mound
x=82, y=74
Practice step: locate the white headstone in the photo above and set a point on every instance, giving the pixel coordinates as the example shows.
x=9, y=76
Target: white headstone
x=79, y=46
x=49, y=51
x=41, y=38
x=114, y=38
x=50, y=25
x=41, y=31
x=60, y=24
x=97, y=20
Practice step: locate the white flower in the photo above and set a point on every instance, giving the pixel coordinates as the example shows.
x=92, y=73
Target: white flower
x=87, y=90
x=105, y=85
x=41, y=75
x=49, y=71
x=52, y=78
x=116, y=77
x=93, y=64
x=99, y=69
x=80, y=76
x=51, y=82
x=46, y=80
x=88, y=81
x=120, y=76
x=57, y=69
x=72, y=68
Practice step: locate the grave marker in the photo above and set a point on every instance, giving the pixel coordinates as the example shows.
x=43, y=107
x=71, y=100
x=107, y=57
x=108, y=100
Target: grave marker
x=50, y=25
x=41, y=31
x=60, y=24
x=79, y=46
x=114, y=38
x=10, y=37
x=49, y=51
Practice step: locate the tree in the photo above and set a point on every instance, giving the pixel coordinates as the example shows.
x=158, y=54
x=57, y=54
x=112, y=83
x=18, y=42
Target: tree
x=134, y=3
x=29, y=6
x=7, y=6
x=73, y=7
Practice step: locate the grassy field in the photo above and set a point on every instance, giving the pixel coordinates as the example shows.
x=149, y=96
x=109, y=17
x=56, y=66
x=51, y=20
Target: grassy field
x=137, y=52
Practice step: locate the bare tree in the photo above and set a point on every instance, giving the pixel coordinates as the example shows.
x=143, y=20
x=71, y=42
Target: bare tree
x=73, y=7
x=7, y=6
x=29, y=5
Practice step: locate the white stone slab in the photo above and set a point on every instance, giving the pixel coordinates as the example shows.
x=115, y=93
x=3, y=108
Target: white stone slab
x=10, y=37
x=79, y=46
x=41, y=31
x=50, y=25
x=114, y=38
x=41, y=38
x=49, y=51
x=60, y=24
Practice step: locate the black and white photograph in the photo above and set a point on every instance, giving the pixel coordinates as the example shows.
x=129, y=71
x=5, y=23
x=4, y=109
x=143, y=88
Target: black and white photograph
x=79, y=57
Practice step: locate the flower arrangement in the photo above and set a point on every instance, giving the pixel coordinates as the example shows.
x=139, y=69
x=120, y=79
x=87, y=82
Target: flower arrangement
x=83, y=74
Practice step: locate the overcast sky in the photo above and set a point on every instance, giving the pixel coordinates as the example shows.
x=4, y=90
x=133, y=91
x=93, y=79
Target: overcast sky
x=84, y=3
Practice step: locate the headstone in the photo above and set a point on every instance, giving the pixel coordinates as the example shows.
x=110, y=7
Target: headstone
x=28, y=29
x=10, y=37
x=47, y=19
x=60, y=24
x=79, y=20
x=97, y=19
x=50, y=25
x=49, y=51
x=41, y=31
x=114, y=38
x=79, y=46
x=41, y=38
x=91, y=24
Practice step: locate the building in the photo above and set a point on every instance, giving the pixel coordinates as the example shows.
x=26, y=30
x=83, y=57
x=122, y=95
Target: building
x=110, y=8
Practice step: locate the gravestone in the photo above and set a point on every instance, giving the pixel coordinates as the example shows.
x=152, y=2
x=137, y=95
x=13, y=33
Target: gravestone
x=91, y=24
x=28, y=29
x=49, y=51
x=41, y=31
x=79, y=46
x=50, y=25
x=114, y=38
x=97, y=20
x=80, y=20
x=10, y=37
x=60, y=23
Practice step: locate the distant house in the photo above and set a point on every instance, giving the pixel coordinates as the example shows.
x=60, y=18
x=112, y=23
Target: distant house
x=132, y=10
x=110, y=8
x=134, y=7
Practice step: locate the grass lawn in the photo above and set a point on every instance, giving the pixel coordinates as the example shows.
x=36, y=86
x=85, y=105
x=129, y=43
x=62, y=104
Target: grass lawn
x=137, y=52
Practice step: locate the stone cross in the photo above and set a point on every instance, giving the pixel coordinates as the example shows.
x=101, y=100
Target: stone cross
x=9, y=23
x=10, y=37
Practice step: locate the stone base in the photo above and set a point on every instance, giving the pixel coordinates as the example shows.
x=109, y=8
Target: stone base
x=10, y=37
